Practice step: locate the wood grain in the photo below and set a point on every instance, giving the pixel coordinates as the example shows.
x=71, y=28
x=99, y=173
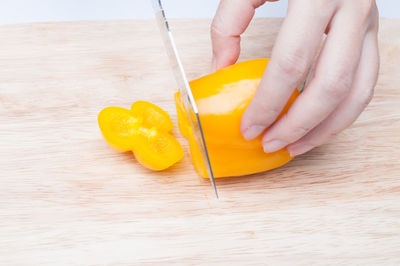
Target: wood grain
x=66, y=198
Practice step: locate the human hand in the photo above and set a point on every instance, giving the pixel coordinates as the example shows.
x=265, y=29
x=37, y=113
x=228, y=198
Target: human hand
x=338, y=89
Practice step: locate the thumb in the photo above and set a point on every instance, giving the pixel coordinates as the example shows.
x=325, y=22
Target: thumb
x=230, y=21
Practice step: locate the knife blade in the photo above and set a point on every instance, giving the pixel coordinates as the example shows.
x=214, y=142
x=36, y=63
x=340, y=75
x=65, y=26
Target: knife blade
x=184, y=87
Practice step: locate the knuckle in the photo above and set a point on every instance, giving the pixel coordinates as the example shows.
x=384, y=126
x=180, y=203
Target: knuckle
x=296, y=128
x=261, y=113
x=293, y=64
x=269, y=113
x=336, y=86
x=214, y=30
x=300, y=130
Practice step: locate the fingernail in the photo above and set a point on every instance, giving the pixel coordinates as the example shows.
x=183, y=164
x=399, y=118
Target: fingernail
x=299, y=149
x=253, y=132
x=214, y=63
x=273, y=145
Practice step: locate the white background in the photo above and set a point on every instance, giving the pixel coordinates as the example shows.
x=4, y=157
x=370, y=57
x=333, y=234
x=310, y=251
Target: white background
x=20, y=11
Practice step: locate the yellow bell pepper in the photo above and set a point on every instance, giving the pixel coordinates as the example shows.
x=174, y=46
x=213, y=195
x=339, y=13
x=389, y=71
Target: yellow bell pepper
x=144, y=130
x=221, y=98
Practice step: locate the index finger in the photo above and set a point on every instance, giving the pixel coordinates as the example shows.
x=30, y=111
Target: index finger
x=292, y=55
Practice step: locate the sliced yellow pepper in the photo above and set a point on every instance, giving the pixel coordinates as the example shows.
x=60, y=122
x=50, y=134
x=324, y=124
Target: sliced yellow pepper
x=221, y=98
x=144, y=130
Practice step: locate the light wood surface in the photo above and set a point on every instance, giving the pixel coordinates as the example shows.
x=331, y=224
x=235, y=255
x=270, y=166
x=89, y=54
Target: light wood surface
x=66, y=198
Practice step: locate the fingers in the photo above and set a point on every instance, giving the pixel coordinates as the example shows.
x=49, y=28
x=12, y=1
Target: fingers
x=230, y=21
x=294, y=50
x=334, y=74
x=348, y=111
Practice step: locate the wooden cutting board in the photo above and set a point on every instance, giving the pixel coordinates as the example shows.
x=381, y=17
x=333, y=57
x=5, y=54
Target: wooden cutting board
x=67, y=198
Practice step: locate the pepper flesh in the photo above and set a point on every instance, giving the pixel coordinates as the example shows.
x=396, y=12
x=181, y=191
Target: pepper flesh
x=221, y=98
x=144, y=130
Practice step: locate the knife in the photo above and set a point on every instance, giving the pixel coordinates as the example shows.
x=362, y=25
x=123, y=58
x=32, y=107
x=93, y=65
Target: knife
x=184, y=87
